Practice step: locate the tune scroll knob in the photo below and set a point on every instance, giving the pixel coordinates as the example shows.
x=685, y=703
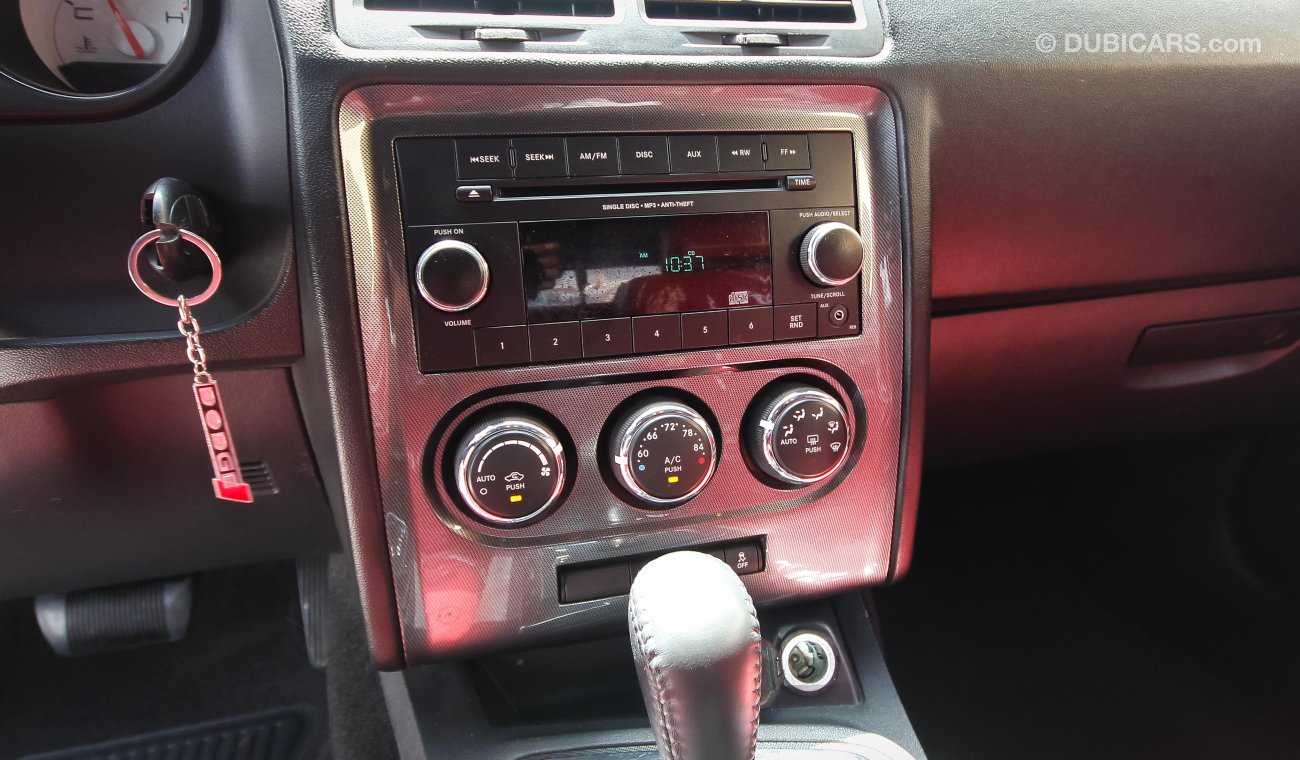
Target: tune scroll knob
x=800, y=435
x=510, y=469
x=832, y=254
x=663, y=453
x=452, y=276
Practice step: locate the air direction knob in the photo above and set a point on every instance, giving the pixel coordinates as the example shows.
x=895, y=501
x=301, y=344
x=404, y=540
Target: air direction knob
x=800, y=434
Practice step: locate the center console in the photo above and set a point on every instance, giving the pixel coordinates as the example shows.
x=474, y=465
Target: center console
x=626, y=321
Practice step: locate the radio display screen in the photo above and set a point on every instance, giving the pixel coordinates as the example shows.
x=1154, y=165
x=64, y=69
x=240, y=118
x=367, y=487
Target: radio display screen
x=626, y=267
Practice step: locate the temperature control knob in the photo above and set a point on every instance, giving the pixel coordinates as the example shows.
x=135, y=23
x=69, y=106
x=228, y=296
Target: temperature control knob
x=832, y=254
x=452, y=275
x=663, y=452
x=800, y=434
x=509, y=470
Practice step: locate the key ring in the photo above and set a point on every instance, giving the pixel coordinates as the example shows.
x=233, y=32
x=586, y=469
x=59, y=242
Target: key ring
x=151, y=237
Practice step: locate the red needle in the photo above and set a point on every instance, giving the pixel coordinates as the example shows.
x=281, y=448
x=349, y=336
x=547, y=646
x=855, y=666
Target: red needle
x=126, y=29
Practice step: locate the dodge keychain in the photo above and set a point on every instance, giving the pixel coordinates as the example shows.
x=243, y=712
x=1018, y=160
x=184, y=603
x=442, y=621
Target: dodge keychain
x=227, y=481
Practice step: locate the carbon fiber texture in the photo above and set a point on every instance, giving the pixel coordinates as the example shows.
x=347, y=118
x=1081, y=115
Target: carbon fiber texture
x=463, y=587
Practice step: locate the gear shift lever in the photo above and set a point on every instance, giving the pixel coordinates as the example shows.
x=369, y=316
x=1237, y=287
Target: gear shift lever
x=699, y=655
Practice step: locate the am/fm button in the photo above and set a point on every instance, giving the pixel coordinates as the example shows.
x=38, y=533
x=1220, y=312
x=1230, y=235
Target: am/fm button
x=593, y=156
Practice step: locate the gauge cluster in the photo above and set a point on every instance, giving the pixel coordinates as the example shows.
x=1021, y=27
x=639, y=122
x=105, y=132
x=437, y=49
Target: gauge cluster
x=99, y=46
x=96, y=56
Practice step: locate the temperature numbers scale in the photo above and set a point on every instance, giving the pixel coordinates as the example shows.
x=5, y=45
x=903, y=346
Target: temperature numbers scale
x=664, y=453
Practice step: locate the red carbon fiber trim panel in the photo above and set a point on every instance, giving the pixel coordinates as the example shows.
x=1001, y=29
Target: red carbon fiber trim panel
x=464, y=587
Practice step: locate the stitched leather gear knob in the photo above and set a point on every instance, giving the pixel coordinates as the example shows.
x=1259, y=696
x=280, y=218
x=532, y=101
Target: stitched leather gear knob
x=697, y=647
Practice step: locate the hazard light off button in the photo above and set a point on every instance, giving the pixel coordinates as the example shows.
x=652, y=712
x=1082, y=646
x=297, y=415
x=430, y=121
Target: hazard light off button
x=474, y=193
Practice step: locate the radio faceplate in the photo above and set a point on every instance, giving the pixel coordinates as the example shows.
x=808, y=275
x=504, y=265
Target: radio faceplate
x=599, y=246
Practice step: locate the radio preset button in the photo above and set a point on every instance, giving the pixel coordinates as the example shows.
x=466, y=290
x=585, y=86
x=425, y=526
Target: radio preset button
x=483, y=159
x=704, y=329
x=593, y=156
x=501, y=345
x=750, y=325
x=539, y=157
x=643, y=155
x=786, y=152
x=694, y=154
x=661, y=332
x=795, y=321
x=740, y=153
x=555, y=342
x=607, y=337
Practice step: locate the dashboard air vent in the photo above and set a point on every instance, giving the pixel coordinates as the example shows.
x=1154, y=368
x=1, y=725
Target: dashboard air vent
x=573, y=8
x=769, y=11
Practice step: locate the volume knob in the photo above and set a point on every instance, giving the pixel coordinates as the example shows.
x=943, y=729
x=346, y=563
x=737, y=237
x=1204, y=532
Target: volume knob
x=832, y=254
x=452, y=275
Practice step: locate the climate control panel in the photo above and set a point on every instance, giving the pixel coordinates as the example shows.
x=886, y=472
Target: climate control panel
x=659, y=449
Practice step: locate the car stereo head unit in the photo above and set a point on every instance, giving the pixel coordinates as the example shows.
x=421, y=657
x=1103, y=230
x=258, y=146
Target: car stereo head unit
x=544, y=249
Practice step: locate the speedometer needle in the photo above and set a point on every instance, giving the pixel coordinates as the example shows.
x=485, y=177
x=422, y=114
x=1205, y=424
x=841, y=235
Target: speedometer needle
x=126, y=29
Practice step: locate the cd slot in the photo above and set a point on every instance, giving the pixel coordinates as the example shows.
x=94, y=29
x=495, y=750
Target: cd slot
x=642, y=186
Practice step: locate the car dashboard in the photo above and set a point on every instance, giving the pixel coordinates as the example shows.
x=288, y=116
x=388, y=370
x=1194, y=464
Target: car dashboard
x=517, y=298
